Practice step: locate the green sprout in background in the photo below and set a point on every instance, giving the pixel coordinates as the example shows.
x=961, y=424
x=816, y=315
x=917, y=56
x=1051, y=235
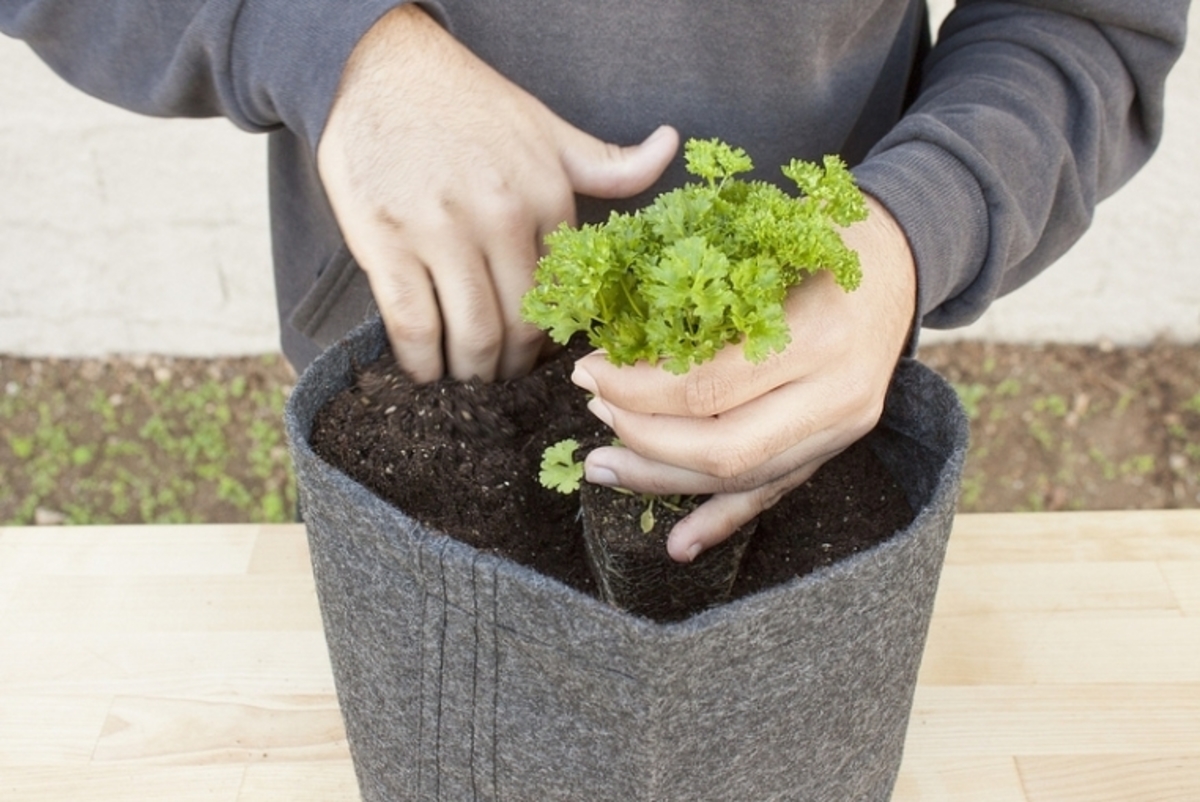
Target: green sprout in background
x=183, y=446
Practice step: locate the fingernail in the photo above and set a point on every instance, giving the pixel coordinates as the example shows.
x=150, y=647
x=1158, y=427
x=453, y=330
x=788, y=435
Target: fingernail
x=690, y=553
x=659, y=133
x=598, y=475
x=583, y=379
x=601, y=411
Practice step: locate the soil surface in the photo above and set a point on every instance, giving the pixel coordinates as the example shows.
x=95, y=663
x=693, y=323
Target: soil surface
x=133, y=440
x=477, y=449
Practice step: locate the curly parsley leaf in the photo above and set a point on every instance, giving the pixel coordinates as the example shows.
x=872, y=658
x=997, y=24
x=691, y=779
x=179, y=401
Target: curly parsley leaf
x=560, y=470
x=703, y=266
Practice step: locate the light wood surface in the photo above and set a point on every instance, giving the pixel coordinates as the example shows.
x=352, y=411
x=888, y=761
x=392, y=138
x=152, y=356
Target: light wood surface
x=188, y=663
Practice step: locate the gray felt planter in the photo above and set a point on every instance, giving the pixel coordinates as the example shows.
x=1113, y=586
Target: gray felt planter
x=463, y=676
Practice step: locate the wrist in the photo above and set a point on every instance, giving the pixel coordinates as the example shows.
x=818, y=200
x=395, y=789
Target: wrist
x=889, y=272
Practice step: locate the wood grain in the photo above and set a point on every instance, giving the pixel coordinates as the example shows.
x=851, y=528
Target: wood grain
x=188, y=663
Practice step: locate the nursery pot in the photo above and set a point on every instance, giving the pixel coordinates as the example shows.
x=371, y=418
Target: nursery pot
x=464, y=676
x=632, y=569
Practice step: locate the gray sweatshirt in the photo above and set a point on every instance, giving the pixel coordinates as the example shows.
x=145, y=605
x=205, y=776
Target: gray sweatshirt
x=990, y=149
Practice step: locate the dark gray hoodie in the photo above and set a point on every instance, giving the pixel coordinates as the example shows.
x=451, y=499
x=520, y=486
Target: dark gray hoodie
x=991, y=149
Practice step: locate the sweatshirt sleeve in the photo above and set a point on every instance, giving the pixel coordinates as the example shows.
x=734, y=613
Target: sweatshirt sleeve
x=263, y=64
x=1028, y=114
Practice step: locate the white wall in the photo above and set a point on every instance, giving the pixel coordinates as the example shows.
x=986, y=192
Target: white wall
x=123, y=234
x=1135, y=275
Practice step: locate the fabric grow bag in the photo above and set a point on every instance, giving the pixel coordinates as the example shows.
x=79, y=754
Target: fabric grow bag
x=464, y=676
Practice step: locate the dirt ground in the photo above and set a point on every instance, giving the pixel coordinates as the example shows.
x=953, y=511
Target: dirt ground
x=174, y=440
x=1074, y=427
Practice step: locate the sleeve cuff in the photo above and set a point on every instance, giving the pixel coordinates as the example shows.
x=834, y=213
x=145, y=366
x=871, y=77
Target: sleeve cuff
x=941, y=207
x=288, y=56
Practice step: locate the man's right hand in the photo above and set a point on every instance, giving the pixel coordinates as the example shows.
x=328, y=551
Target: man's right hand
x=445, y=177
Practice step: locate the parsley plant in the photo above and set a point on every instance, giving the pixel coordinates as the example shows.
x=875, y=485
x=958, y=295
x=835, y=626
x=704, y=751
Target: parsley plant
x=703, y=266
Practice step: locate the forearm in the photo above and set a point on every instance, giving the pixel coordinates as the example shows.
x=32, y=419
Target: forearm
x=1027, y=117
x=261, y=63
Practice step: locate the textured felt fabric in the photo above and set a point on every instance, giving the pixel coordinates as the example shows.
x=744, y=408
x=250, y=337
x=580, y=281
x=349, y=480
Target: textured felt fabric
x=463, y=676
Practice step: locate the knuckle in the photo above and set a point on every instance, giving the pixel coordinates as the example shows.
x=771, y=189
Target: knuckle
x=414, y=330
x=863, y=403
x=523, y=335
x=802, y=425
x=502, y=208
x=480, y=340
x=706, y=393
x=770, y=495
x=868, y=417
x=728, y=463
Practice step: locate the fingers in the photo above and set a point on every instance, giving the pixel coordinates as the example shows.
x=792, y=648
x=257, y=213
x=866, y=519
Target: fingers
x=741, y=489
x=719, y=517
x=722, y=384
x=472, y=322
x=802, y=419
x=616, y=466
x=821, y=330
x=409, y=308
x=604, y=170
x=512, y=237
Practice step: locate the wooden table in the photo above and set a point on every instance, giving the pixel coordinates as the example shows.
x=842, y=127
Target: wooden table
x=187, y=663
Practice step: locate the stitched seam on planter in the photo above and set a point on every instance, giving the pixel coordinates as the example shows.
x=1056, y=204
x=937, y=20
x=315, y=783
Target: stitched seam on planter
x=437, y=751
x=420, y=752
x=495, y=682
x=474, y=671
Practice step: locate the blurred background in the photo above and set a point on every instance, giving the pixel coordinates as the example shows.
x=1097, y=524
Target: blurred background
x=138, y=338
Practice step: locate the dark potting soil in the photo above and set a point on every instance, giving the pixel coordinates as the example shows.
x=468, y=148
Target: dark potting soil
x=463, y=458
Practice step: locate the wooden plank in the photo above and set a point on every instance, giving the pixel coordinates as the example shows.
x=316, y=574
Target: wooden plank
x=327, y=781
x=1036, y=648
x=179, y=603
x=281, y=549
x=955, y=779
x=1107, y=536
x=126, y=550
x=1183, y=578
x=65, y=783
x=1092, y=589
x=49, y=730
x=1112, y=778
x=954, y=722
x=204, y=731
x=188, y=665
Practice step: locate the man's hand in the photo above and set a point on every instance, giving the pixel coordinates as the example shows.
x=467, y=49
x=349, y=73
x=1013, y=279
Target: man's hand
x=445, y=177
x=748, y=433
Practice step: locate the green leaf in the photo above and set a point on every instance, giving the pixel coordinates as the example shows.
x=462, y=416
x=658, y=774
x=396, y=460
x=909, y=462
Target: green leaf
x=560, y=471
x=22, y=447
x=647, y=519
x=715, y=160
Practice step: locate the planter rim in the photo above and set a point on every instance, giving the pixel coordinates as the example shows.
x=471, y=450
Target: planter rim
x=299, y=425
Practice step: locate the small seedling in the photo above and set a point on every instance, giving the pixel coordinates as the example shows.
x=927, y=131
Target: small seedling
x=560, y=470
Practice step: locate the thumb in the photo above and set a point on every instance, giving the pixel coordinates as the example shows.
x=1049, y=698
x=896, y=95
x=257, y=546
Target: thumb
x=603, y=170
